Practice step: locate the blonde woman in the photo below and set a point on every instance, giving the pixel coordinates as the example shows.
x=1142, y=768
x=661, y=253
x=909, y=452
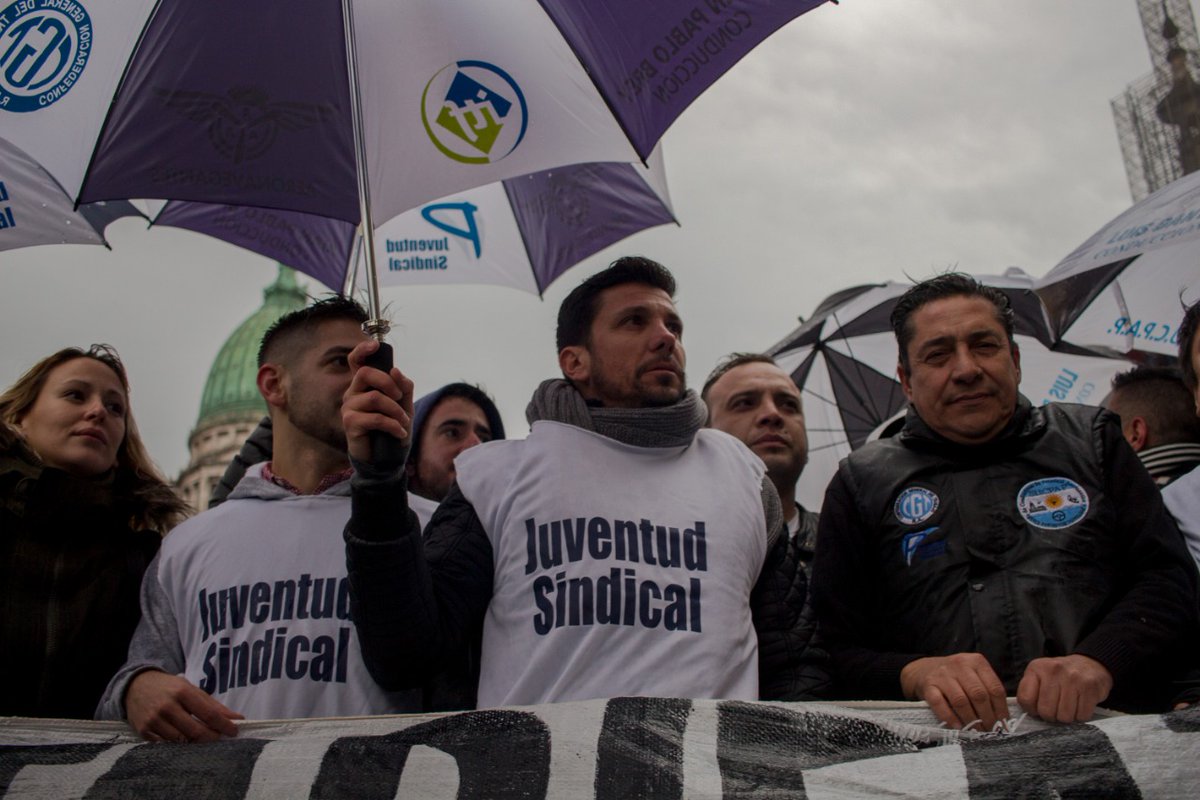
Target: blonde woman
x=82, y=511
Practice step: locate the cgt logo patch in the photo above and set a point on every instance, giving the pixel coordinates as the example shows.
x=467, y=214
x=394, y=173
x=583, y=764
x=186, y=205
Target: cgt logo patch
x=1052, y=503
x=915, y=505
x=44, y=48
x=474, y=112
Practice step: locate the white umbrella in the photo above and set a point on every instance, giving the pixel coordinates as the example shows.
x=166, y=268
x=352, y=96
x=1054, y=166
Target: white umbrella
x=522, y=232
x=526, y=231
x=1123, y=289
x=35, y=210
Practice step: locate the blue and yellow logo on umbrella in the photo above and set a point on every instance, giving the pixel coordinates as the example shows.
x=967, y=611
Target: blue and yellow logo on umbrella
x=474, y=112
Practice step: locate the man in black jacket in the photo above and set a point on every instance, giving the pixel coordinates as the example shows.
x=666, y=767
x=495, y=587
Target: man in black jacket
x=749, y=397
x=994, y=548
x=621, y=549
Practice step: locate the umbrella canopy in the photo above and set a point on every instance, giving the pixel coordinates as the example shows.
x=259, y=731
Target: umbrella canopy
x=844, y=360
x=1124, y=288
x=35, y=210
x=250, y=103
x=523, y=232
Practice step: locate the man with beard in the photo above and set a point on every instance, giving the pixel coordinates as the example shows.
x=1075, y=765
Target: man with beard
x=446, y=422
x=621, y=549
x=245, y=611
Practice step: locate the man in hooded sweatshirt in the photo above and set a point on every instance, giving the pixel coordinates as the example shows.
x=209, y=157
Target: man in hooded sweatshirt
x=245, y=611
x=446, y=422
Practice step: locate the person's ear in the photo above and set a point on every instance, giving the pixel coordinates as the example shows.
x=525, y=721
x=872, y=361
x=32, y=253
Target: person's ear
x=1138, y=433
x=902, y=374
x=576, y=363
x=272, y=385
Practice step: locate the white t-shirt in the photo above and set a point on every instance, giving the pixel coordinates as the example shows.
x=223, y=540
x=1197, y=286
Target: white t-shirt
x=619, y=570
x=1182, y=498
x=258, y=589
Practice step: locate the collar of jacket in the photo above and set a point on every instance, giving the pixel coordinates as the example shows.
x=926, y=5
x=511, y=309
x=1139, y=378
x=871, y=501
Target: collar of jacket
x=1027, y=424
x=28, y=486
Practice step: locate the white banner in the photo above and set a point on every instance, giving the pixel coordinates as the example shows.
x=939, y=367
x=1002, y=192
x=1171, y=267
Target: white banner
x=622, y=748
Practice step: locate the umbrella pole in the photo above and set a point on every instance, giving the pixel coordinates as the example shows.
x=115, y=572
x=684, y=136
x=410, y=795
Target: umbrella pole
x=351, y=280
x=376, y=326
x=386, y=451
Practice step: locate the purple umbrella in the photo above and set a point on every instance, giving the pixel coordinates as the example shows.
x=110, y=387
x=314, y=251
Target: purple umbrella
x=522, y=233
x=359, y=112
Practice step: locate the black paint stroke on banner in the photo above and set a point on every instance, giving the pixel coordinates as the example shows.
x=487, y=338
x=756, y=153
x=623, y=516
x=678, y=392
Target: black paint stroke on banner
x=208, y=771
x=1186, y=721
x=640, y=752
x=1076, y=761
x=797, y=741
x=500, y=754
x=16, y=757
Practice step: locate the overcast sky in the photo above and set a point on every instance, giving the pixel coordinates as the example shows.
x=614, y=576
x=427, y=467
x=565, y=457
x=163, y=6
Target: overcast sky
x=863, y=142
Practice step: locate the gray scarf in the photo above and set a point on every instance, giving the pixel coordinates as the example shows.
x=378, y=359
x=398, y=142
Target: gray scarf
x=664, y=426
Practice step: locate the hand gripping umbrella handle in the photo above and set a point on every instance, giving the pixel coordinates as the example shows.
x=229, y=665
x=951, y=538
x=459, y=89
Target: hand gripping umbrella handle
x=387, y=452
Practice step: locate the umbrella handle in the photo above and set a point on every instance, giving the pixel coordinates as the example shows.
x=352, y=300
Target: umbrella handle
x=387, y=452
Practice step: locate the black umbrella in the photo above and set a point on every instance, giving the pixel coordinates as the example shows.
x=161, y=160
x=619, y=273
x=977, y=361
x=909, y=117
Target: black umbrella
x=844, y=358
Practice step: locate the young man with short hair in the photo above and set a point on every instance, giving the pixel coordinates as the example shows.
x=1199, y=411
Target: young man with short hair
x=749, y=397
x=621, y=549
x=446, y=422
x=245, y=611
x=1158, y=419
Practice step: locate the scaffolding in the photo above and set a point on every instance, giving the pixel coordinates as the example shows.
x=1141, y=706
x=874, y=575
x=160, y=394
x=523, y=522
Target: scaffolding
x=1158, y=115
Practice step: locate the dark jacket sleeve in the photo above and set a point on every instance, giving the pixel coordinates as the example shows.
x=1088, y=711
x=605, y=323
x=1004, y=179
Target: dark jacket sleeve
x=1157, y=611
x=255, y=450
x=845, y=598
x=790, y=665
x=417, y=605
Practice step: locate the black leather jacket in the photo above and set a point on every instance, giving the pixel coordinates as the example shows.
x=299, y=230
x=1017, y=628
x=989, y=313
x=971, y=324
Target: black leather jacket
x=1049, y=540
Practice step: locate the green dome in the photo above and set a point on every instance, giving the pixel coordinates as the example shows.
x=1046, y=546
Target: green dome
x=231, y=391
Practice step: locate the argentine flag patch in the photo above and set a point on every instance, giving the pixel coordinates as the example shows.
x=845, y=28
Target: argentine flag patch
x=1052, y=503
